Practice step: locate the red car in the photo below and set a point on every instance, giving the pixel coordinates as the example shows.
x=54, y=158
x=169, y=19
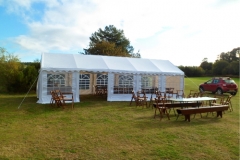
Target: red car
x=220, y=85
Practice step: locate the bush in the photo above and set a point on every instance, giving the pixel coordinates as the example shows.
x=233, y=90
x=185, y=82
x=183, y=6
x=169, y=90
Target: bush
x=16, y=76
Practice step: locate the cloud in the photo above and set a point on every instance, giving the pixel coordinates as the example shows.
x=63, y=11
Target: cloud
x=184, y=31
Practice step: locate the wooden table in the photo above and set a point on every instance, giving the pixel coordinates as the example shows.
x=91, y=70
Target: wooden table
x=197, y=100
x=186, y=101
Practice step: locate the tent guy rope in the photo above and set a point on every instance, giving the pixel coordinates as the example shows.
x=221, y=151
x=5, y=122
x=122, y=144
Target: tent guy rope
x=27, y=92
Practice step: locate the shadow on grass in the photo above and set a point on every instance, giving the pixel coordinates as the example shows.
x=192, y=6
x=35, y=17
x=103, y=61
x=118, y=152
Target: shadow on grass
x=92, y=97
x=149, y=122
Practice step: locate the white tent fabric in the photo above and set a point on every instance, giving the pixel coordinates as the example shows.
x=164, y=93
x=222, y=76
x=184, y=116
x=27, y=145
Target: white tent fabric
x=74, y=63
x=93, y=63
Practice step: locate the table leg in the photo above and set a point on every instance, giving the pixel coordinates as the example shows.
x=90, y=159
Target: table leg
x=187, y=117
x=219, y=113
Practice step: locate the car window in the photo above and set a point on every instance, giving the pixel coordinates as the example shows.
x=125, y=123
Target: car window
x=209, y=82
x=229, y=81
x=216, y=81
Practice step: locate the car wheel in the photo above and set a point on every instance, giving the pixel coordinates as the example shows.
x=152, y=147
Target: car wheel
x=201, y=89
x=219, y=91
x=233, y=93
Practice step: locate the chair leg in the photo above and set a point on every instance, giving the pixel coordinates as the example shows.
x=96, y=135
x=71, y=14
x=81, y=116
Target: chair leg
x=155, y=112
x=177, y=117
x=150, y=102
x=170, y=110
x=161, y=114
x=173, y=111
x=230, y=106
x=199, y=113
x=131, y=101
x=167, y=114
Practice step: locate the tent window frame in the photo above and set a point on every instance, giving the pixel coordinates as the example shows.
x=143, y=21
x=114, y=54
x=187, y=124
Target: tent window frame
x=84, y=81
x=125, y=80
x=102, y=79
x=56, y=80
x=148, y=84
x=59, y=81
x=146, y=81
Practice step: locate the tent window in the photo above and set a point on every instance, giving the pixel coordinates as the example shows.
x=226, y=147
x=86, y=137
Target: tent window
x=146, y=81
x=57, y=80
x=148, y=84
x=123, y=84
x=60, y=81
x=84, y=81
x=102, y=79
x=125, y=80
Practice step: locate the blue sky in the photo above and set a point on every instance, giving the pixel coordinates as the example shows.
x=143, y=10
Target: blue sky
x=184, y=32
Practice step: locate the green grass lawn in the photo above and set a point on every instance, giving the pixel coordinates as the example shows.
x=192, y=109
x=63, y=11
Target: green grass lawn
x=97, y=129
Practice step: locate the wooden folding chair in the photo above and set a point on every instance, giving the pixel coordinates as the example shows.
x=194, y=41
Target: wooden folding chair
x=160, y=106
x=180, y=94
x=215, y=103
x=169, y=90
x=67, y=96
x=133, y=98
x=192, y=93
x=63, y=97
x=55, y=99
x=151, y=100
x=169, y=95
x=142, y=99
x=196, y=94
x=138, y=101
x=228, y=102
x=52, y=98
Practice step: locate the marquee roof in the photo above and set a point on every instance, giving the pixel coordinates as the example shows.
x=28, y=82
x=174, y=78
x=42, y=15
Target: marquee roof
x=94, y=63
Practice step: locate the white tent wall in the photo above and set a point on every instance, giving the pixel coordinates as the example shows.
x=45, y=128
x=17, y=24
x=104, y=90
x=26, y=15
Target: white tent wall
x=138, y=82
x=135, y=83
x=110, y=96
x=162, y=83
x=42, y=83
x=75, y=86
x=70, y=84
x=182, y=83
x=39, y=88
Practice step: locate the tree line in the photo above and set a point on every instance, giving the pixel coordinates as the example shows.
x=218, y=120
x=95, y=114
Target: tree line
x=16, y=76
x=227, y=64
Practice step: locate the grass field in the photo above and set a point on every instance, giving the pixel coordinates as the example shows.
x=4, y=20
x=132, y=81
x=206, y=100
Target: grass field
x=97, y=129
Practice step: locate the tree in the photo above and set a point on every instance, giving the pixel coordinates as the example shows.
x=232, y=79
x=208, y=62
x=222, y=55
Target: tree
x=9, y=71
x=206, y=66
x=14, y=75
x=192, y=71
x=219, y=66
x=112, y=42
x=235, y=67
x=30, y=74
x=230, y=56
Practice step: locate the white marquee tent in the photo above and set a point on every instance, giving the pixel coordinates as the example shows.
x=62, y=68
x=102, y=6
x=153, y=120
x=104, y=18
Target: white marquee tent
x=80, y=73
